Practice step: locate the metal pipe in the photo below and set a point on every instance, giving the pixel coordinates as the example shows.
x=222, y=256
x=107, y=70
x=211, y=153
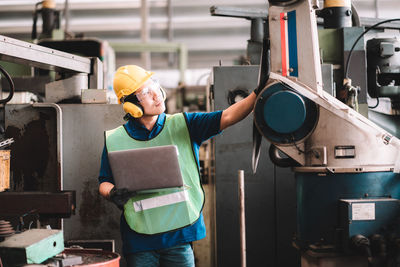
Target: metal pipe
x=170, y=31
x=242, y=222
x=145, y=33
x=48, y=12
x=66, y=16
x=183, y=61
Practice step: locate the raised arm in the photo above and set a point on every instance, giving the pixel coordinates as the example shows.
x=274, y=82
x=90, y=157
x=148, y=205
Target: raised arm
x=237, y=111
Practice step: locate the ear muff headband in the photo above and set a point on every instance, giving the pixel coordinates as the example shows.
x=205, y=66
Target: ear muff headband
x=135, y=110
x=132, y=106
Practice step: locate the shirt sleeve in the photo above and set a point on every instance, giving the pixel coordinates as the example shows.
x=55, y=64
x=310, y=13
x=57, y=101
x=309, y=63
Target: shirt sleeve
x=203, y=125
x=105, y=169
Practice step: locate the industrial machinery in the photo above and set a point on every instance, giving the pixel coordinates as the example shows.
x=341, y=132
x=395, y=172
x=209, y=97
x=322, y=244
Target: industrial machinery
x=346, y=167
x=383, y=59
x=53, y=170
x=50, y=18
x=257, y=18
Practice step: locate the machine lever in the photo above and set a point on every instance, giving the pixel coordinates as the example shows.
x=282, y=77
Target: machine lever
x=263, y=78
x=256, y=148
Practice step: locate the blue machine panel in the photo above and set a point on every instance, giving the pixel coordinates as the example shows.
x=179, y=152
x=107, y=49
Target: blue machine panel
x=368, y=217
x=319, y=195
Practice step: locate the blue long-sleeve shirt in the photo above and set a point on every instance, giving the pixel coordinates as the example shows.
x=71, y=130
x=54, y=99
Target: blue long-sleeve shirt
x=201, y=126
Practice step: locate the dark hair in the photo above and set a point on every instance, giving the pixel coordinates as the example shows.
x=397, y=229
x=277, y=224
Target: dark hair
x=131, y=98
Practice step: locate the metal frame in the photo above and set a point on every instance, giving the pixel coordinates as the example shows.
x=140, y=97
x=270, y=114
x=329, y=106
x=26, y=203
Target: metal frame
x=58, y=110
x=21, y=52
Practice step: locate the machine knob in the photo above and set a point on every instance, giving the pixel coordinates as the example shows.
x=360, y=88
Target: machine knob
x=284, y=112
x=283, y=115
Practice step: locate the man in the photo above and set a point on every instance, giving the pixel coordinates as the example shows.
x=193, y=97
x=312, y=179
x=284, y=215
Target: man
x=150, y=242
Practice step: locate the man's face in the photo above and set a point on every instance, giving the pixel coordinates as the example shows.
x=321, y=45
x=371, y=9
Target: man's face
x=151, y=98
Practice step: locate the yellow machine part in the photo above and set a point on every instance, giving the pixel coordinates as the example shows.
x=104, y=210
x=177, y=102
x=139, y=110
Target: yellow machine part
x=337, y=3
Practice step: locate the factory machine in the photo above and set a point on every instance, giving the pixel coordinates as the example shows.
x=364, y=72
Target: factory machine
x=318, y=72
x=53, y=112
x=52, y=190
x=339, y=206
x=346, y=166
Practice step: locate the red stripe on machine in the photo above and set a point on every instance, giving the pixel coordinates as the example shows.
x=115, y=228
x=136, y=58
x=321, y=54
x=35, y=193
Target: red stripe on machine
x=284, y=52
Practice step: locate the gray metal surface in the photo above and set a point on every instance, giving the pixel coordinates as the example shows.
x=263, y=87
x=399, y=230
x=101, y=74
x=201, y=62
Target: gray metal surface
x=21, y=52
x=327, y=78
x=69, y=88
x=246, y=13
x=268, y=236
x=96, y=80
x=22, y=84
x=83, y=140
x=390, y=123
x=35, y=167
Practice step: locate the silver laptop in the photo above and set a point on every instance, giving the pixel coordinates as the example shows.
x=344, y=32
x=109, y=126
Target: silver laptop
x=145, y=169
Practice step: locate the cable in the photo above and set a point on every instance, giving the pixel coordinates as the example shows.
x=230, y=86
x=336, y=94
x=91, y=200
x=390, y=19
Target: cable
x=316, y=154
x=359, y=37
x=298, y=148
x=12, y=88
x=377, y=104
x=207, y=74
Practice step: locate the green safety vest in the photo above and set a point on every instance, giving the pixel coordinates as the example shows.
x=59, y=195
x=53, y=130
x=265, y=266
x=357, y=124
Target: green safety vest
x=168, y=209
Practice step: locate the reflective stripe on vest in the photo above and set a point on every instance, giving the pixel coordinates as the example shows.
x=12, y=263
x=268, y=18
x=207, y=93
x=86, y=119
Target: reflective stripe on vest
x=168, y=209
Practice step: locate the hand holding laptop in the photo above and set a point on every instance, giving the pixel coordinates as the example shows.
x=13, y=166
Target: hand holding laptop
x=120, y=196
x=144, y=169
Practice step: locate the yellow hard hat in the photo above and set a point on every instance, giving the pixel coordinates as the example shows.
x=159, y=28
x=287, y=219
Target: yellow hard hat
x=128, y=79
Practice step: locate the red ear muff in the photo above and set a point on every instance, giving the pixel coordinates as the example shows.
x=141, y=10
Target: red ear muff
x=135, y=110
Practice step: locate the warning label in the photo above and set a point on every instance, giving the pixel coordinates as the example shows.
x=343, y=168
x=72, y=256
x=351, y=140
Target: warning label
x=363, y=211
